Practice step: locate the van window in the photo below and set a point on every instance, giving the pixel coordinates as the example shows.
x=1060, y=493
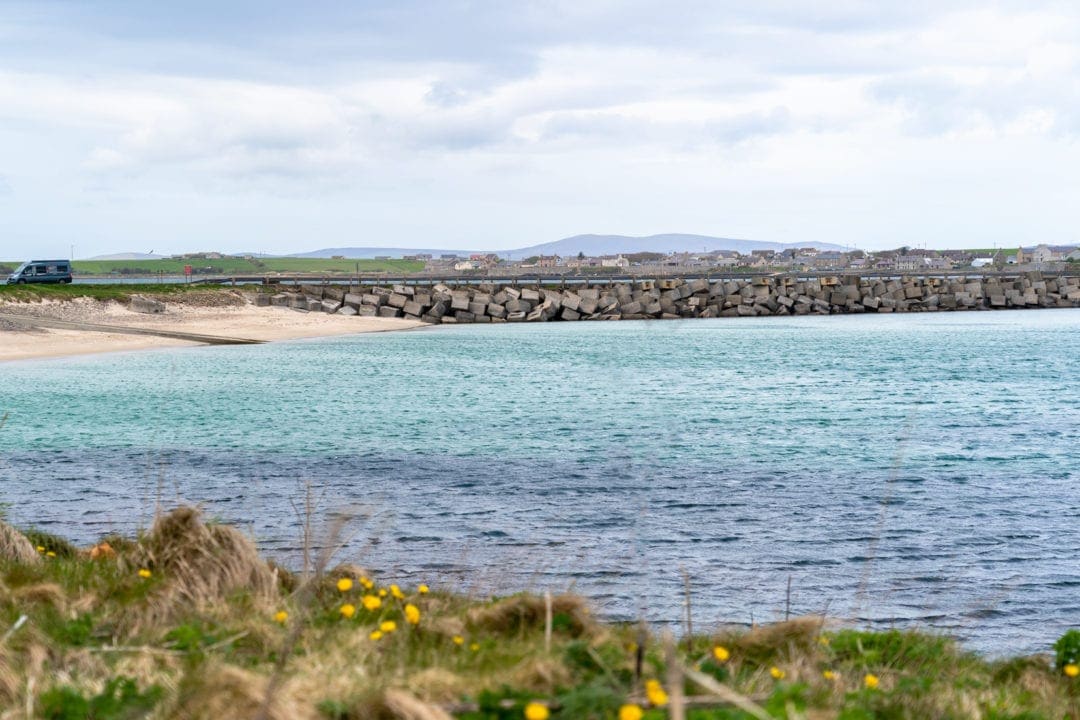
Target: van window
x=62, y=268
x=41, y=270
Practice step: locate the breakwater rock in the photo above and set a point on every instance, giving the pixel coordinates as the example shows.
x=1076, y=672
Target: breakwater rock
x=673, y=298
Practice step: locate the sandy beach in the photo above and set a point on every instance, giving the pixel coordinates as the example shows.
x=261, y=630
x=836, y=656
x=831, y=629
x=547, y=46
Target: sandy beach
x=231, y=316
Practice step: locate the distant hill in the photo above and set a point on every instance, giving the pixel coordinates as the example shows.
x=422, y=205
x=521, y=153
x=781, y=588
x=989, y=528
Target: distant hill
x=673, y=242
x=588, y=244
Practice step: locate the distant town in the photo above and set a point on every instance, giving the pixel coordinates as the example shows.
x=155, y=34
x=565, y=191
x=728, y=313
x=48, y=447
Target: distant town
x=806, y=259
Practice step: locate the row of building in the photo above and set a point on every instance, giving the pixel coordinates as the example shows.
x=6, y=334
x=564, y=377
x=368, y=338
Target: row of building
x=902, y=260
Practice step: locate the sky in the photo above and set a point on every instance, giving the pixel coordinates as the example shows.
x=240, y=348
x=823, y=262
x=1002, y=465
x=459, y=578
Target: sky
x=284, y=127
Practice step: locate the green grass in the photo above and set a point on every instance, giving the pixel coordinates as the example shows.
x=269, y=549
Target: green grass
x=120, y=292
x=100, y=640
x=241, y=266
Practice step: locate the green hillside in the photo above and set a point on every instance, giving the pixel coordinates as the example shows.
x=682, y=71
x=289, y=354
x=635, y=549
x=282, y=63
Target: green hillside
x=242, y=266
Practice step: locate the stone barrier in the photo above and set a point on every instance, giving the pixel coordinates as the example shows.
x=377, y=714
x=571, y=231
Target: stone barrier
x=672, y=298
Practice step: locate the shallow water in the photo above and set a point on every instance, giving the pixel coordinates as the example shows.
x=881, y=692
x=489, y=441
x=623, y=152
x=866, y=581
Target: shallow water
x=916, y=470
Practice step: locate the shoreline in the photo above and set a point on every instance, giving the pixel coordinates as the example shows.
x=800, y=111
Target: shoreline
x=265, y=324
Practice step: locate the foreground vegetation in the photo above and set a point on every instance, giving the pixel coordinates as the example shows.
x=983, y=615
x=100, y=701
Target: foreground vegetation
x=188, y=621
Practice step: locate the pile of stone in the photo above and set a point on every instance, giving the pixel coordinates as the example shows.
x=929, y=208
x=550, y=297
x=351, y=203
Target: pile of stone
x=675, y=298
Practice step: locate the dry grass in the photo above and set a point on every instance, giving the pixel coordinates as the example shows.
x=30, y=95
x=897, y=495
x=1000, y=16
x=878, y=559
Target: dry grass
x=225, y=692
x=15, y=547
x=763, y=644
x=200, y=567
x=520, y=614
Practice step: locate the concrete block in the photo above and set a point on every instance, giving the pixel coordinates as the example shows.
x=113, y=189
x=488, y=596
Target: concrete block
x=477, y=308
x=146, y=305
x=413, y=308
x=531, y=295
x=331, y=306
x=464, y=316
x=362, y=311
x=388, y=311
x=262, y=300
x=496, y=311
x=371, y=299
x=568, y=314
x=515, y=305
x=350, y=310
x=459, y=301
x=280, y=300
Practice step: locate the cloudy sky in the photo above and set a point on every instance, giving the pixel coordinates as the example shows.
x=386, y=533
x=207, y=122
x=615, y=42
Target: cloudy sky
x=285, y=126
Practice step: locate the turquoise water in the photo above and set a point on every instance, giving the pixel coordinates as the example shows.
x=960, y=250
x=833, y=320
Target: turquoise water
x=917, y=470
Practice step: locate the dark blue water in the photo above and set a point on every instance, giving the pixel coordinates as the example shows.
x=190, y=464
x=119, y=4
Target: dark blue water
x=913, y=470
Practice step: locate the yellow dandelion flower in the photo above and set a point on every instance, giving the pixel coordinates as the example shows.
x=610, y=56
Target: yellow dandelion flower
x=344, y=585
x=367, y=583
x=777, y=673
x=144, y=573
x=458, y=640
x=823, y=640
x=423, y=589
x=388, y=626
x=41, y=548
x=412, y=614
x=50, y=553
x=396, y=592
x=871, y=681
x=1072, y=670
x=281, y=616
x=347, y=610
x=536, y=711
x=371, y=602
x=655, y=692
x=830, y=675
x=721, y=653
x=631, y=712
x=382, y=592
x=376, y=635
x=475, y=647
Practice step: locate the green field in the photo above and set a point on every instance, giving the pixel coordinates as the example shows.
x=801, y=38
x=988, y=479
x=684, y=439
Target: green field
x=117, y=291
x=238, y=266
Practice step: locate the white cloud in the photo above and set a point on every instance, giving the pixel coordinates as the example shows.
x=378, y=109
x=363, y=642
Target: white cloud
x=480, y=114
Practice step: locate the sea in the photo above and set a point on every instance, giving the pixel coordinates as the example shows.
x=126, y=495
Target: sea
x=915, y=471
